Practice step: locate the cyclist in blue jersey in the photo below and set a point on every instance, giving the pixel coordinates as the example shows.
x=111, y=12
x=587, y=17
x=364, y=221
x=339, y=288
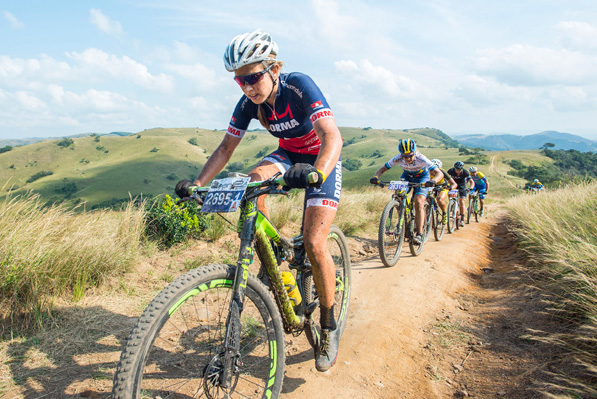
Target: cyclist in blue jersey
x=481, y=185
x=291, y=107
x=417, y=169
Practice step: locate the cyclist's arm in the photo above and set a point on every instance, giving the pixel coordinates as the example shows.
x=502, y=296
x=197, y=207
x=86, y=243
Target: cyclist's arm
x=331, y=145
x=452, y=183
x=486, y=184
x=436, y=175
x=470, y=180
x=217, y=160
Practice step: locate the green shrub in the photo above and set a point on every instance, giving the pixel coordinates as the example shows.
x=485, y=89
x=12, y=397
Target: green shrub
x=5, y=149
x=352, y=164
x=193, y=141
x=65, y=143
x=39, y=175
x=168, y=223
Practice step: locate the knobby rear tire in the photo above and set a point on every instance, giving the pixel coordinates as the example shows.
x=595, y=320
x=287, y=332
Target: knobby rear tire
x=470, y=210
x=390, y=235
x=438, y=227
x=338, y=249
x=173, y=350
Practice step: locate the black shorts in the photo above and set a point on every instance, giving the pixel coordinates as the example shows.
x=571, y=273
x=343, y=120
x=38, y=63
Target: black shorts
x=328, y=194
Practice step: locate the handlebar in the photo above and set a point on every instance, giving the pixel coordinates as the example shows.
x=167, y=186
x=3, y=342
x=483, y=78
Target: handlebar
x=254, y=189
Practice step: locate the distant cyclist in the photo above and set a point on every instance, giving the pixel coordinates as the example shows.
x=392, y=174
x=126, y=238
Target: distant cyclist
x=417, y=169
x=481, y=185
x=447, y=183
x=536, y=185
x=462, y=177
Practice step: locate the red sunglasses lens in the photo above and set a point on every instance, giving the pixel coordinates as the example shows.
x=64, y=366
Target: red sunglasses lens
x=249, y=79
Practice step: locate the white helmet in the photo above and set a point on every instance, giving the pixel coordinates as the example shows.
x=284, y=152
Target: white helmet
x=249, y=48
x=536, y=181
x=437, y=162
x=472, y=169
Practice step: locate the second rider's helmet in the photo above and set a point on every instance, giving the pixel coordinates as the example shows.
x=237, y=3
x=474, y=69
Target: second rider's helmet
x=249, y=48
x=459, y=165
x=437, y=163
x=406, y=146
x=472, y=169
x=536, y=181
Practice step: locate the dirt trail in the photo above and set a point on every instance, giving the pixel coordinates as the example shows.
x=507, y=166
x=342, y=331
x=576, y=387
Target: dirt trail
x=433, y=326
x=383, y=351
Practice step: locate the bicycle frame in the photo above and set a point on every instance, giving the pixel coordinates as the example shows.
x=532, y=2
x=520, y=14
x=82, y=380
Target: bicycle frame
x=254, y=226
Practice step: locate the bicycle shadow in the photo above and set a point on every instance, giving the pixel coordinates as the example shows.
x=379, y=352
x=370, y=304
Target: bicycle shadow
x=74, y=355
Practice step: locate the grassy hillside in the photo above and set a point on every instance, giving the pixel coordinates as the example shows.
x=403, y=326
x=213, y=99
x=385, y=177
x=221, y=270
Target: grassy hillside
x=98, y=169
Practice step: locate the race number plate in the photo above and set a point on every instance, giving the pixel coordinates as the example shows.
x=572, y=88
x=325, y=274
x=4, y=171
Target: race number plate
x=398, y=185
x=224, y=195
x=453, y=192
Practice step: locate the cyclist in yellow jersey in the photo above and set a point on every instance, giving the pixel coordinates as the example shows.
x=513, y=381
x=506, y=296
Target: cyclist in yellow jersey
x=442, y=196
x=481, y=185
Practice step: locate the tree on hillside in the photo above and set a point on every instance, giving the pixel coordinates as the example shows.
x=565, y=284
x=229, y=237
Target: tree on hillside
x=5, y=149
x=65, y=143
x=352, y=164
x=546, y=146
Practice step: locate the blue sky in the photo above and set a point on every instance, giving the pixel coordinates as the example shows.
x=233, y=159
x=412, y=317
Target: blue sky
x=69, y=67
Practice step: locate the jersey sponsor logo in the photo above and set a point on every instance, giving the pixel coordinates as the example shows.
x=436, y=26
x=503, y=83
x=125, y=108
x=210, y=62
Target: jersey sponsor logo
x=293, y=88
x=280, y=127
x=316, y=104
x=325, y=113
x=276, y=115
x=328, y=203
x=233, y=119
x=338, y=184
x=235, y=132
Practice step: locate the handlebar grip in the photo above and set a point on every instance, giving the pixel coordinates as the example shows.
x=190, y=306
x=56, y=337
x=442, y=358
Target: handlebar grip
x=313, y=177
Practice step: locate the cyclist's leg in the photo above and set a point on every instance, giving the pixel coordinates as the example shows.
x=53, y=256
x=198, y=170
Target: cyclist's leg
x=321, y=205
x=419, y=211
x=462, y=196
x=442, y=200
x=277, y=161
x=481, y=200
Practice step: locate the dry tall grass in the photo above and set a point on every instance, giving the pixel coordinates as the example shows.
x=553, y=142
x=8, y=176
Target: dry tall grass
x=558, y=232
x=50, y=251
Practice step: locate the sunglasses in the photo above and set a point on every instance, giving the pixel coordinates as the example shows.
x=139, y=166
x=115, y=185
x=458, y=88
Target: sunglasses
x=251, y=78
x=411, y=155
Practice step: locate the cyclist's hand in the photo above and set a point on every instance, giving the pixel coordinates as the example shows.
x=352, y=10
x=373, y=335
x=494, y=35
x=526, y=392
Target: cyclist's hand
x=298, y=176
x=184, y=188
x=374, y=180
x=429, y=183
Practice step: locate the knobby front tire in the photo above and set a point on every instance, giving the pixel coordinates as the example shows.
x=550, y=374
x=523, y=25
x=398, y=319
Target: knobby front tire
x=390, y=235
x=452, y=216
x=438, y=227
x=338, y=249
x=470, y=210
x=428, y=221
x=175, y=348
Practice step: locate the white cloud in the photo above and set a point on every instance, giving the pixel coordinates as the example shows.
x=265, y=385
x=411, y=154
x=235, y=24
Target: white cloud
x=578, y=35
x=104, y=23
x=14, y=22
x=96, y=64
x=525, y=65
x=29, y=101
x=378, y=79
x=485, y=92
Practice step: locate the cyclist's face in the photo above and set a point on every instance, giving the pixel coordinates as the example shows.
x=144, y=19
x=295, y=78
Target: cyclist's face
x=474, y=173
x=258, y=91
x=409, y=158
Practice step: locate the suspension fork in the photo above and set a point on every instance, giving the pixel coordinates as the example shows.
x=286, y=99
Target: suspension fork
x=231, y=351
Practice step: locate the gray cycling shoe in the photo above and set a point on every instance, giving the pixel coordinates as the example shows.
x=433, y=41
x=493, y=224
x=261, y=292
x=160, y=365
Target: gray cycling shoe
x=418, y=239
x=326, y=354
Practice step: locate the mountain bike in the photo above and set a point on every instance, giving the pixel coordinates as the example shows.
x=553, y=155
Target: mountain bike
x=218, y=330
x=398, y=222
x=436, y=212
x=473, y=206
x=453, y=211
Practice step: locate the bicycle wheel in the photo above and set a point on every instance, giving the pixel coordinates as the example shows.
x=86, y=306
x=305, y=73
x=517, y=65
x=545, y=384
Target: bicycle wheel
x=428, y=221
x=452, y=219
x=438, y=227
x=469, y=211
x=415, y=249
x=391, y=233
x=176, y=347
x=338, y=249
x=477, y=211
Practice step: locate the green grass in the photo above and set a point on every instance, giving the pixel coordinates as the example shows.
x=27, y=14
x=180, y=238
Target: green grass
x=558, y=232
x=49, y=251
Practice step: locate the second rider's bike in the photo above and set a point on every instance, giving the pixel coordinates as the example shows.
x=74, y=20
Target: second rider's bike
x=453, y=211
x=218, y=330
x=397, y=223
x=473, y=206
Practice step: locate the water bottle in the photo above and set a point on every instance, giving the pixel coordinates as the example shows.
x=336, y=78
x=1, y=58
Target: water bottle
x=293, y=292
